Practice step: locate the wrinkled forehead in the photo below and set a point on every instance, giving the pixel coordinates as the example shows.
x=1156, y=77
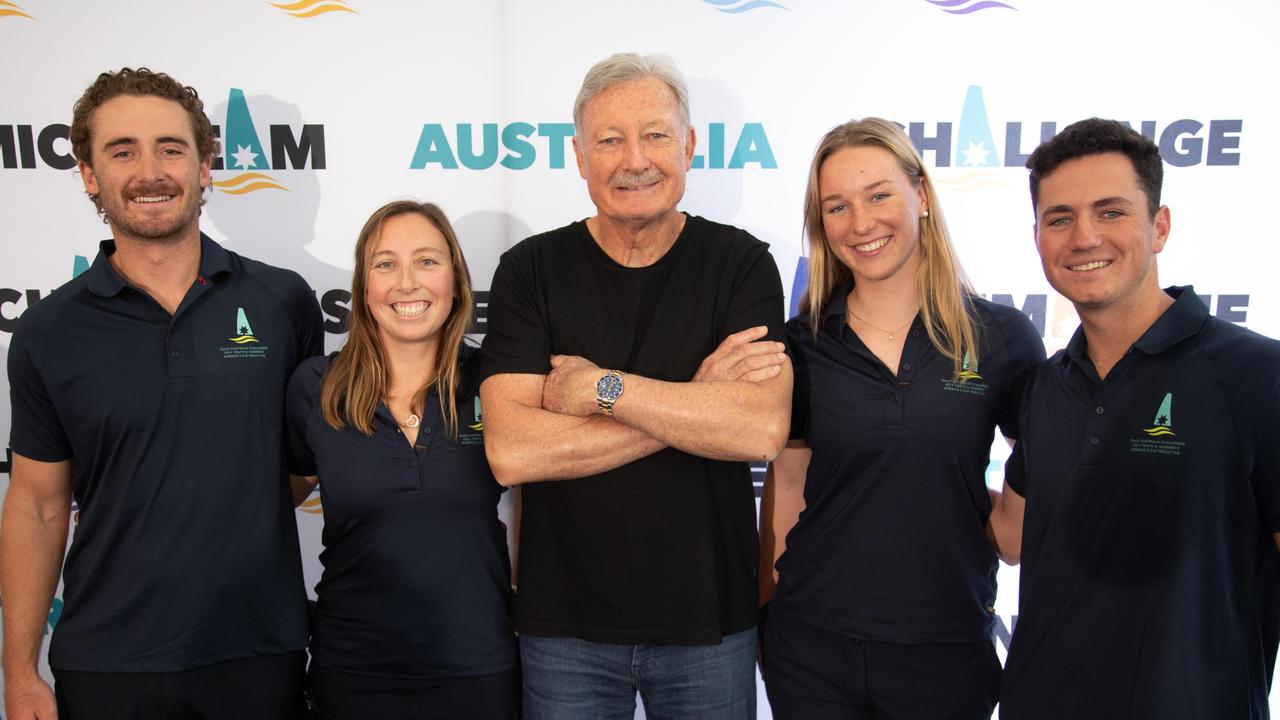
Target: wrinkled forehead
x=632, y=102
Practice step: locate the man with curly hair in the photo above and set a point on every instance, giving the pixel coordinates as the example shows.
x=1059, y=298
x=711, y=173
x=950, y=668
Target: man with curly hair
x=150, y=390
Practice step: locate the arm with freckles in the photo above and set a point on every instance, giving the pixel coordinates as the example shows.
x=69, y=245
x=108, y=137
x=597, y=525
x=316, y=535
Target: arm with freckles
x=527, y=442
x=718, y=419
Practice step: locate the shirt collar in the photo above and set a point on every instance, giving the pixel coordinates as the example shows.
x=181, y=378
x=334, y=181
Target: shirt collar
x=835, y=307
x=103, y=280
x=1180, y=321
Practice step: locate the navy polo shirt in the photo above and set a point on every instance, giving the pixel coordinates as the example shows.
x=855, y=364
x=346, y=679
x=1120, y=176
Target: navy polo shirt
x=1147, y=546
x=185, y=552
x=417, y=579
x=891, y=544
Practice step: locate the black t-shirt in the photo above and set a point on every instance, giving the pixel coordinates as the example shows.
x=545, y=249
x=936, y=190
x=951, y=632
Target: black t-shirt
x=417, y=581
x=891, y=544
x=186, y=552
x=1152, y=497
x=664, y=549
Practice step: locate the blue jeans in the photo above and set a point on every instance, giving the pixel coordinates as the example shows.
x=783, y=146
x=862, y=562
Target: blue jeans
x=571, y=679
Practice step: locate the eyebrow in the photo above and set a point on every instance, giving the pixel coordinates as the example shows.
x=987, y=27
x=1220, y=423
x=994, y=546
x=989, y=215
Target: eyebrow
x=864, y=188
x=163, y=140
x=1108, y=201
x=1096, y=205
x=415, y=251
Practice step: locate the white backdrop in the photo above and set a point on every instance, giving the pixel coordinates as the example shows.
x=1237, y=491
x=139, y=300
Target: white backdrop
x=341, y=105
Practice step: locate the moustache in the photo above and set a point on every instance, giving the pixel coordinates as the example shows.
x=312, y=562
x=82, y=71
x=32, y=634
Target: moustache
x=144, y=189
x=628, y=180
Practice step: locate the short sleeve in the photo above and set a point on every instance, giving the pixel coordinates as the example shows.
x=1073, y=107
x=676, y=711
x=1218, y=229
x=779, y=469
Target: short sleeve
x=37, y=431
x=308, y=322
x=1266, y=472
x=1026, y=352
x=800, y=344
x=517, y=339
x=1015, y=470
x=302, y=399
x=757, y=295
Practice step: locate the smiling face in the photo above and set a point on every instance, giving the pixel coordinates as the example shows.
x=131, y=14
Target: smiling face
x=146, y=170
x=1096, y=235
x=871, y=213
x=409, y=284
x=634, y=151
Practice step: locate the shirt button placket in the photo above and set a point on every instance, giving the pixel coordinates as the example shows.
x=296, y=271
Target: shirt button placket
x=1094, y=431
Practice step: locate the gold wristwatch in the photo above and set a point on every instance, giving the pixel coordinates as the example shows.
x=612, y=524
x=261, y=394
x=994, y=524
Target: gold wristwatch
x=608, y=390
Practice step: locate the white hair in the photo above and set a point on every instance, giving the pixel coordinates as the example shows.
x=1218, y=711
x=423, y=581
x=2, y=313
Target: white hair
x=625, y=67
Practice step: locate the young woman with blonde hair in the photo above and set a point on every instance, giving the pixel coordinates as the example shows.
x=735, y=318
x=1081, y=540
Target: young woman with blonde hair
x=876, y=512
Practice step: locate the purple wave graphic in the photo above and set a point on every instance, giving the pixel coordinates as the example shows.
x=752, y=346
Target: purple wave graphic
x=975, y=7
x=723, y=5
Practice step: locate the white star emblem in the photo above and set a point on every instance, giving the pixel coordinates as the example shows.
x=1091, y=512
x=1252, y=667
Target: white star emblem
x=245, y=158
x=976, y=154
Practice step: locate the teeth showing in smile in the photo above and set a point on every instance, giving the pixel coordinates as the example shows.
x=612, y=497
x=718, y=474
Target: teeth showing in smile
x=410, y=309
x=1090, y=266
x=871, y=246
x=152, y=198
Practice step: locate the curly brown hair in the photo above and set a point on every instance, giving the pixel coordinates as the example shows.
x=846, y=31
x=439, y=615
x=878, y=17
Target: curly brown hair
x=139, y=82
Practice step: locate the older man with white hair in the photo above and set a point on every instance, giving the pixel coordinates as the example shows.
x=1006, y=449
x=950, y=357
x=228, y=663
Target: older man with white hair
x=632, y=367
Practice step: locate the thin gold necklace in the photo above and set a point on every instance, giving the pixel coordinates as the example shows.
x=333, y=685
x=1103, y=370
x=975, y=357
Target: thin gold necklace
x=413, y=421
x=893, y=334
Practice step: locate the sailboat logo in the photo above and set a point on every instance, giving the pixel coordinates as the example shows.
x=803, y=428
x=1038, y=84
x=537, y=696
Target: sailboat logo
x=975, y=146
x=1162, y=425
x=478, y=426
x=244, y=333
x=244, y=151
x=968, y=370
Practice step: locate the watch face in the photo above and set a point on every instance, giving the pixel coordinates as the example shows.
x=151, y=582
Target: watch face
x=609, y=387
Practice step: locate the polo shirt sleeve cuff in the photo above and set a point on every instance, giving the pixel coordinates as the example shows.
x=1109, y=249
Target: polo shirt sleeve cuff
x=49, y=456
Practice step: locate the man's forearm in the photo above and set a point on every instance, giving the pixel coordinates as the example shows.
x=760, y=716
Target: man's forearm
x=526, y=444
x=32, y=543
x=723, y=420
x=1004, y=525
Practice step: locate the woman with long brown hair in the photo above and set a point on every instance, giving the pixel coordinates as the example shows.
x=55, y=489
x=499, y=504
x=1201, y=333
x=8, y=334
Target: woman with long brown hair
x=876, y=512
x=413, y=615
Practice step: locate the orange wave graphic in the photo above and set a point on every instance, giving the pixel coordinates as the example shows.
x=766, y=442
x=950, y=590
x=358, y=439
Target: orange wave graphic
x=312, y=506
x=8, y=9
x=311, y=8
x=256, y=181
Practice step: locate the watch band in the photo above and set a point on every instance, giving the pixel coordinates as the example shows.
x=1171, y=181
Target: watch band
x=608, y=390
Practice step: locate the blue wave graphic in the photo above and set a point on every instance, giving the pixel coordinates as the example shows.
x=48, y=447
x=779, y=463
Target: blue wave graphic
x=724, y=6
x=975, y=7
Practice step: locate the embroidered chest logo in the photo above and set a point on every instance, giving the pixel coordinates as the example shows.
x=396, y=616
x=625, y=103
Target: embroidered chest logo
x=1159, y=439
x=246, y=344
x=967, y=381
x=476, y=434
